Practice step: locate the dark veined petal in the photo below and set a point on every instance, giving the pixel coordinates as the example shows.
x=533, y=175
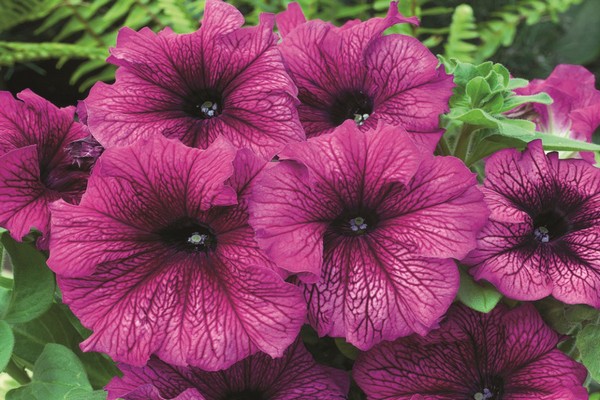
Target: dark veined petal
x=36, y=168
x=439, y=212
x=209, y=314
x=511, y=353
x=23, y=198
x=373, y=289
x=294, y=376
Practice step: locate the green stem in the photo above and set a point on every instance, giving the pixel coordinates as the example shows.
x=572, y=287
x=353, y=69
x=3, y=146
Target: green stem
x=442, y=147
x=461, y=148
x=17, y=373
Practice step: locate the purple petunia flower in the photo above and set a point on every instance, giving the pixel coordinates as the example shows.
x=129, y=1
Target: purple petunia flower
x=295, y=376
x=543, y=236
x=377, y=221
x=575, y=112
x=35, y=168
x=356, y=73
x=220, y=80
x=503, y=355
x=159, y=259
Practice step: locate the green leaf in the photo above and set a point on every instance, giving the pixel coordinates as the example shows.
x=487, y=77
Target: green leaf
x=7, y=341
x=478, y=89
x=55, y=327
x=515, y=101
x=559, y=143
x=346, y=348
x=587, y=344
x=57, y=374
x=482, y=297
x=34, y=283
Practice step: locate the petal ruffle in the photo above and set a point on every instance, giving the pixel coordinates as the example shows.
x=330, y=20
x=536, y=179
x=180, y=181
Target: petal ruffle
x=294, y=376
x=375, y=289
x=23, y=198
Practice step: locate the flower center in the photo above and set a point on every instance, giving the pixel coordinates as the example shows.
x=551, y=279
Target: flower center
x=204, y=104
x=189, y=235
x=208, y=109
x=550, y=225
x=84, y=152
x=491, y=389
x=245, y=395
x=354, y=105
x=484, y=395
x=355, y=223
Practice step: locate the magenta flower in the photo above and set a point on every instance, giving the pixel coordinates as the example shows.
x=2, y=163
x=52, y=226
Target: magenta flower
x=503, y=355
x=35, y=168
x=356, y=73
x=543, y=236
x=220, y=80
x=295, y=376
x=159, y=259
x=377, y=221
x=575, y=112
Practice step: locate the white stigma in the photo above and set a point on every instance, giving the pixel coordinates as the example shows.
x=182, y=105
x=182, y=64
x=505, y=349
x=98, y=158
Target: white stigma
x=542, y=234
x=360, y=118
x=209, y=108
x=197, y=239
x=483, y=396
x=358, y=224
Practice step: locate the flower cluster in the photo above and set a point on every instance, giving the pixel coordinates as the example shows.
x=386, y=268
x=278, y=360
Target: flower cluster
x=194, y=228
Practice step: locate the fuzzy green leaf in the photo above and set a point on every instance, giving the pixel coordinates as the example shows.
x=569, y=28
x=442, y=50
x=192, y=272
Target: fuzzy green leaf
x=33, y=289
x=587, y=344
x=7, y=341
x=57, y=374
x=482, y=297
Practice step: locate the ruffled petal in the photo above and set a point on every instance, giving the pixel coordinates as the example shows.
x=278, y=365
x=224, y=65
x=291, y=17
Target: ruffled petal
x=511, y=353
x=440, y=211
x=375, y=289
x=205, y=314
x=294, y=376
x=23, y=198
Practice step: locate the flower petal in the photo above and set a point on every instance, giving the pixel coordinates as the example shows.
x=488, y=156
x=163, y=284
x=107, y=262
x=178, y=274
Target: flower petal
x=23, y=197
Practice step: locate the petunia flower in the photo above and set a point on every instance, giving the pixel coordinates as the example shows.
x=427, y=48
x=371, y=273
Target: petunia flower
x=543, y=236
x=35, y=168
x=158, y=258
x=295, y=376
x=503, y=355
x=220, y=80
x=370, y=224
x=575, y=112
x=355, y=73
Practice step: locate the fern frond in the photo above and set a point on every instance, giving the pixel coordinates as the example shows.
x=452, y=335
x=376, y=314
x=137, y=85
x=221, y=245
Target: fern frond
x=13, y=52
x=15, y=12
x=181, y=21
x=501, y=29
x=462, y=29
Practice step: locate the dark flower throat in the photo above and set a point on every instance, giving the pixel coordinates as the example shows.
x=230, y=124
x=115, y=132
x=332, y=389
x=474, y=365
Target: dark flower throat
x=189, y=235
x=550, y=225
x=245, y=395
x=353, y=105
x=204, y=104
